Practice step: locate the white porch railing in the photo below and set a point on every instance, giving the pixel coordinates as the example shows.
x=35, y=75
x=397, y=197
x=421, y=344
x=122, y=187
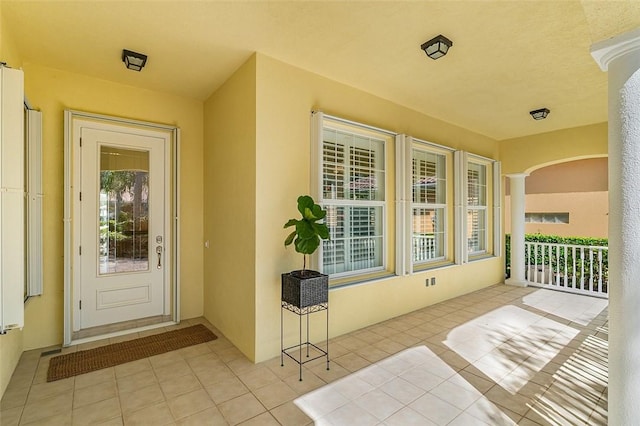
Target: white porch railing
x=424, y=247
x=568, y=267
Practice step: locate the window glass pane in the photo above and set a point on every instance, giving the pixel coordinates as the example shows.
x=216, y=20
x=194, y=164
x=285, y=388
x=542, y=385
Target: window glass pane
x=355, y=239
x=333, y=167
x=353, y=192
x=353, y=166
x=123, y=210
x=477, y=226
x=429, y=200
x=477, y=185
x=429, y=185
x=428, y=234
x=546, y=217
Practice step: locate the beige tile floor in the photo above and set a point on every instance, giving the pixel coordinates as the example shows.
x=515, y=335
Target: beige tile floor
x=502, y=355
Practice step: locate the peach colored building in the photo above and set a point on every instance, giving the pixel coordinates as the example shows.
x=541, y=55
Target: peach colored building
x=566, y=199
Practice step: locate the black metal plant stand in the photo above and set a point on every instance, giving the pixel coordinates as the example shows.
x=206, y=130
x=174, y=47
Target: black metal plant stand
x=303, y=346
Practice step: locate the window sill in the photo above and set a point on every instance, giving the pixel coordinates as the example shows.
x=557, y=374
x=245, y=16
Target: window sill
x=478, y=257
x=359, y=279
x=432, y=266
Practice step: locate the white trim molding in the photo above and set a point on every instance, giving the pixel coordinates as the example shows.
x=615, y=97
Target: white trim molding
x=12, y=219
x=172, y=213
x=35, y=201
x=606, y=51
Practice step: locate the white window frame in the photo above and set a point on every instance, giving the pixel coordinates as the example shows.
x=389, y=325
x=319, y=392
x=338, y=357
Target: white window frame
x=319, y=121
x=12, y=199
x=483, y=208
x=405, y=146
x=493, y=210
x=33, y=126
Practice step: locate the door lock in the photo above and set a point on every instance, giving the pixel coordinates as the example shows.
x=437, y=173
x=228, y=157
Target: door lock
x=159, y=252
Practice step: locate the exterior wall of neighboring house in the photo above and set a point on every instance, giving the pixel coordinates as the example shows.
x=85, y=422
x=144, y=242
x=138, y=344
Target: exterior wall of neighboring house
x=566, y=199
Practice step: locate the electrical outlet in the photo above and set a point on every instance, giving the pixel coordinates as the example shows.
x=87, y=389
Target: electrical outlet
x=433, y=280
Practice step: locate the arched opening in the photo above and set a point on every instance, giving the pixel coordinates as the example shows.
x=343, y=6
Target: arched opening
x=567, y=199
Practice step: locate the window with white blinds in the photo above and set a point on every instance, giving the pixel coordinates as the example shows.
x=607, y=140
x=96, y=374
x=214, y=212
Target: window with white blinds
x=353, y=193
x=476, y=208
x=429, y=206
x=445, y=203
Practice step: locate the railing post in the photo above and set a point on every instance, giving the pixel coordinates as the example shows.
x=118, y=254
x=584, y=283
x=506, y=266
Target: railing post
x=581, y=268
x=573, y=258
x=599, y=269
x=527, y=263
x=590, y=269
x=566, y=268
x=556, y=275
x=535, y=262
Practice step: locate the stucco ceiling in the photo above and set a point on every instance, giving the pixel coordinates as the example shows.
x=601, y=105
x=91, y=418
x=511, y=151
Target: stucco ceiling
x=508, y=57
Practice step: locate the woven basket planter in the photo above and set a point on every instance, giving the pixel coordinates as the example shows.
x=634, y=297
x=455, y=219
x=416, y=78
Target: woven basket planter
x=309, y=289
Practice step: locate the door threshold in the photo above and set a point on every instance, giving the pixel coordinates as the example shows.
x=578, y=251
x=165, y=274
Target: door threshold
x=120, y=333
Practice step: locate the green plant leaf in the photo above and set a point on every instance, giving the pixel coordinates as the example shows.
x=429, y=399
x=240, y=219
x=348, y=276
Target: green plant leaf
x=322, y=230
x=291, y=222
x=307, y=246
x=308, y=233
x=308, y=214
x=305, y=230
x=290, y=238
x=317, y=212
x=304, y=202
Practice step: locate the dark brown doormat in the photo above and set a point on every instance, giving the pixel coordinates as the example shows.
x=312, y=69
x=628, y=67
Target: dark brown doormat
x=81, y=362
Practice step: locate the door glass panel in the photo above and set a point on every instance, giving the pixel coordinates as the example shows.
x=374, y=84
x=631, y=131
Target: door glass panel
x=123, y=210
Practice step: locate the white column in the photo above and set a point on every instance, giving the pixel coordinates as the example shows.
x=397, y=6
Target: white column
x=516, y=190
x=621, y=57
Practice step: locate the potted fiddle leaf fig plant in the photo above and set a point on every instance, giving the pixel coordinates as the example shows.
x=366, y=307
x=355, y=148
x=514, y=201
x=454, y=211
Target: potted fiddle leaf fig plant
x=303, y=288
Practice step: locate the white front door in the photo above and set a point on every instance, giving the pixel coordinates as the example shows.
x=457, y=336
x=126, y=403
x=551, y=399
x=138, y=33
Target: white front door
x=123, y=231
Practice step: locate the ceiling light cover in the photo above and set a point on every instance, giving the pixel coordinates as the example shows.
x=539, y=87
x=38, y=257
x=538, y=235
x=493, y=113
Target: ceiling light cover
x=437, y=47
x=133, y=60
x=540, y=114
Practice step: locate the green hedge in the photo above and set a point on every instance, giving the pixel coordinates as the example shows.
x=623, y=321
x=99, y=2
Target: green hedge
x=555, y=239
x=543, y=259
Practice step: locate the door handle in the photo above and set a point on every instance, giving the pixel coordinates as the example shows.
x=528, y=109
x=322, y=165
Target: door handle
x=159, y=252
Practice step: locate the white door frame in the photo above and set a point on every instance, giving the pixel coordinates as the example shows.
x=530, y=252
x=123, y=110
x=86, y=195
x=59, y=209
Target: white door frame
x=72, y=211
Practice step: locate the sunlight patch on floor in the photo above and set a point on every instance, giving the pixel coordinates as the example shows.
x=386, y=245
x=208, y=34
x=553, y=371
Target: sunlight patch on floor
x=412, y=387
x=574, y=307
x=509, y=344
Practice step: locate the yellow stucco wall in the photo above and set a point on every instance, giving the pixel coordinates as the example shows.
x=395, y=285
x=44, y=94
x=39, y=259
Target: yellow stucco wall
x=230, y=208
x=11, y=344
x=531, y=152
x=52, y=91
x=285, y=97
x=253, y=135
